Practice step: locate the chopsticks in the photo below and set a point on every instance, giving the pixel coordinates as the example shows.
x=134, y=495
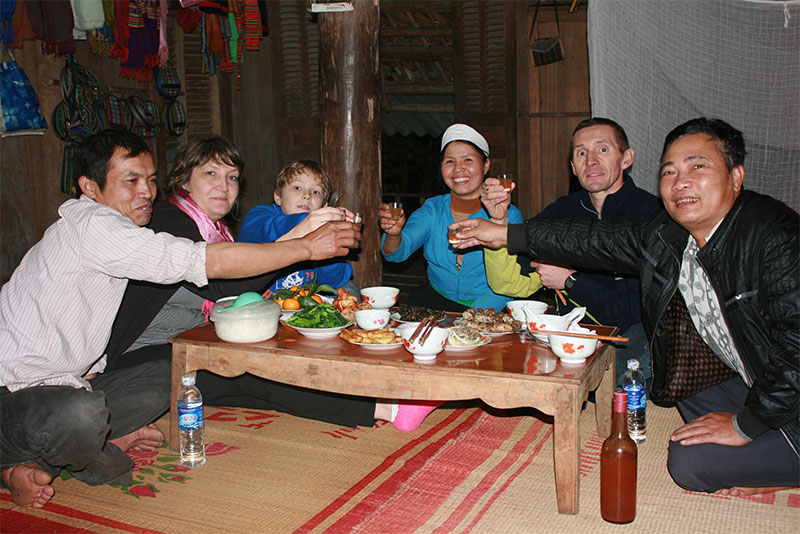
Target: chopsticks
x=561, y=296
x=423, y=330
x=579, y=334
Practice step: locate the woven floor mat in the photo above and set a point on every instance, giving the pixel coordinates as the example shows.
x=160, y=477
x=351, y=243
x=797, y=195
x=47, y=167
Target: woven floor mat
x=463, y=470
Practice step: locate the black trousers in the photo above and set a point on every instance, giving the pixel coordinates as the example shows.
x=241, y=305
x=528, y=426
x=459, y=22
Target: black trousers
x=250, y=391
x=768, y=460
x=59, y=427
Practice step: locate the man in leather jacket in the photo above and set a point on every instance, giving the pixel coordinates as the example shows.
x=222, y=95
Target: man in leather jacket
x=733, y=256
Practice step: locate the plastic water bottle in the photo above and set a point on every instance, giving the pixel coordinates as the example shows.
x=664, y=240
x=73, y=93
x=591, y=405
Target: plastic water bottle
x=190, y=423
x=634, y=384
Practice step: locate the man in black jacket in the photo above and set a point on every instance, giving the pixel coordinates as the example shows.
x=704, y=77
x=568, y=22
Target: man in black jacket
x=733, y=257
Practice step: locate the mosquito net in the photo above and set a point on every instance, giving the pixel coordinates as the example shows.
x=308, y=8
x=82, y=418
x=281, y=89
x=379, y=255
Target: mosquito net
x=656, y=63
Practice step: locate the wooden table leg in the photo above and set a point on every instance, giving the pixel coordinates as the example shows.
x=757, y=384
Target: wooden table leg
x=178, y=370
x=603, y=396
x=566, y=449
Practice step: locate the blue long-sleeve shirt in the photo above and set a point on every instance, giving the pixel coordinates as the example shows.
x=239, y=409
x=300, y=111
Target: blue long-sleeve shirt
x=265, y=224
x=427, y=228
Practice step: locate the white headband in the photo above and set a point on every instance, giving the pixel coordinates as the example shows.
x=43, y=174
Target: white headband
x=462, y=132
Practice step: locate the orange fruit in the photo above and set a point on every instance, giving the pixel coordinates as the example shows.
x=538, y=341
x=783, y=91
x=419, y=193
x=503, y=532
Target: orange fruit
x=294, y=288
x=290, y=304
x=279, y=301
x=304, y=292
x=317, y=298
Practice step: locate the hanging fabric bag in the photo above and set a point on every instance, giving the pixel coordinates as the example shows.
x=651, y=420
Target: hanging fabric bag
x=546, y=50
x=21, y=114
x=175, y=118
x=166, y=81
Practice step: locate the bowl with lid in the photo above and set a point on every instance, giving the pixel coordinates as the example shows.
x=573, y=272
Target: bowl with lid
x=255, y=321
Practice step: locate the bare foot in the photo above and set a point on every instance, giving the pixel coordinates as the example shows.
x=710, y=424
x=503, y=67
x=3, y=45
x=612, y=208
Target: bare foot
x=741, y=491
x=148, y=438
x=29, y=485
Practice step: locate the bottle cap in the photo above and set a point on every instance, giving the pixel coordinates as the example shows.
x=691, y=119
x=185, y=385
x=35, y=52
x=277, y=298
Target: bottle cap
x=620, y=401
x=633, y=364
x=187, y=380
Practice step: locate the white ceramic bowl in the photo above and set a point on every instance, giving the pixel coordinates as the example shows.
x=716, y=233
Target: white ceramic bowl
x=433, y=345
x=251, y=323
x=372, y=319
x=533, y=306
x=380, y=297
x=546, y=322
x=573, y=349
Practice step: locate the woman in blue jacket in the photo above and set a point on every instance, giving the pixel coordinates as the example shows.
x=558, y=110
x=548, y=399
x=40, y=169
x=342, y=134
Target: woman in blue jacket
x=456, y=279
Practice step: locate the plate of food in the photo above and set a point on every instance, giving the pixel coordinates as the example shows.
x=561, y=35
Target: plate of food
x=489, y=322
x=319, y=322
x=380, y=339
x=462, y=338
x=415, y=314
x=320, y=333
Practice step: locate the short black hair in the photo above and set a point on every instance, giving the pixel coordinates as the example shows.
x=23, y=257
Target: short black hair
x=729, y=140
x=92, y=156
x=622, y=137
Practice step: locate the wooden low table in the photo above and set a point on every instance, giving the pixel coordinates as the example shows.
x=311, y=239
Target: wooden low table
x=512, y=371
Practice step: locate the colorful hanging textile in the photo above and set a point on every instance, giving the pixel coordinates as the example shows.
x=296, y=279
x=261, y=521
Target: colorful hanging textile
x=7, y=8
x=22, y=26
x=143, y=41
x=52, y=23
x=121, y=30
x=252, y=25
x=88, y=14
x=163, y=47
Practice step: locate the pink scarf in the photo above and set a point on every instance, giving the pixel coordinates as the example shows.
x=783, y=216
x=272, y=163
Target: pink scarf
x=212, y=232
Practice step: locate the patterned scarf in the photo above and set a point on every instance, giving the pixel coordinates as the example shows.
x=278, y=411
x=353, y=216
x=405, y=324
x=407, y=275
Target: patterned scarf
x=212, y=232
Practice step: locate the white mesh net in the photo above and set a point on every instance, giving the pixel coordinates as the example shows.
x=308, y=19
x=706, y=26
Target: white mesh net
x=655, y=64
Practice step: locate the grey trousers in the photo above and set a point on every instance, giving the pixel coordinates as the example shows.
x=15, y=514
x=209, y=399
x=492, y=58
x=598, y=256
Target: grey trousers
x=60, y=427
x=768, y=460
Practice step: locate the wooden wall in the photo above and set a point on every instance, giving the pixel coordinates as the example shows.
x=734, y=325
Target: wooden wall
x=552, y=100
x=30, y=166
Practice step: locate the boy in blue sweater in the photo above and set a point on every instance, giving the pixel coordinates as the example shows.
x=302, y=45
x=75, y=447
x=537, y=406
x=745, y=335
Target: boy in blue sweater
x=301, y=194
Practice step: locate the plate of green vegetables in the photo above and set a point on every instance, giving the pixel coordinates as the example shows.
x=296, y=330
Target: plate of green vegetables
x=318, y=322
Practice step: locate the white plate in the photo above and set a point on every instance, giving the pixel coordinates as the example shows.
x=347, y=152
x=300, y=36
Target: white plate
x=286, y=314
x=378, y=346
x=320, y=333
x=455, y=348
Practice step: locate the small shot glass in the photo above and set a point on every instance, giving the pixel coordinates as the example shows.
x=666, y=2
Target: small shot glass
x=451, y=237
x=396, y=209
x=506, y=180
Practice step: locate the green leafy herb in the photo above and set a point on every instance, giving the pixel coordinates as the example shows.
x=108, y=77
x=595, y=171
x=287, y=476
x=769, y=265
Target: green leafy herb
x=320, y=316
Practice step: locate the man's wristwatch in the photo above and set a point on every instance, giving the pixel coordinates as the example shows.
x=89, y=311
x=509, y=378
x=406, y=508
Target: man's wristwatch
x=570, y=281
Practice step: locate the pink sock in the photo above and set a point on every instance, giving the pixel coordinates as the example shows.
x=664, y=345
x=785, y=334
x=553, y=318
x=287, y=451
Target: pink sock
x=411, y=415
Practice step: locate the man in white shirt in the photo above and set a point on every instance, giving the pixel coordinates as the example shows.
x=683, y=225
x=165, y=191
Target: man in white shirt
x=58, y=408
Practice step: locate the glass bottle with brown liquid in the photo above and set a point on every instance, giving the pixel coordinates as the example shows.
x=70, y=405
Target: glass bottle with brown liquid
x=618, y=467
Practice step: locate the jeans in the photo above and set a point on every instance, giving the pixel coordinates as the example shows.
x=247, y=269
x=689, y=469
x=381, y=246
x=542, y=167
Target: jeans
x=768, y=460
x=61, y=427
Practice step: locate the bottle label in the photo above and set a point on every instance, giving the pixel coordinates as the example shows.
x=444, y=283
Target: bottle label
x=190, y=415
x=637, y=398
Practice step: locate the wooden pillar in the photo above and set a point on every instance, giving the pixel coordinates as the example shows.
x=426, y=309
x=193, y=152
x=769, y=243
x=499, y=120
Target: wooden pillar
x=350, y=122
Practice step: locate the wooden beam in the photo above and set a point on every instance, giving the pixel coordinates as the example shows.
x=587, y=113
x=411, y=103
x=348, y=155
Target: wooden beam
x=415, y=32
x=350, y=122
